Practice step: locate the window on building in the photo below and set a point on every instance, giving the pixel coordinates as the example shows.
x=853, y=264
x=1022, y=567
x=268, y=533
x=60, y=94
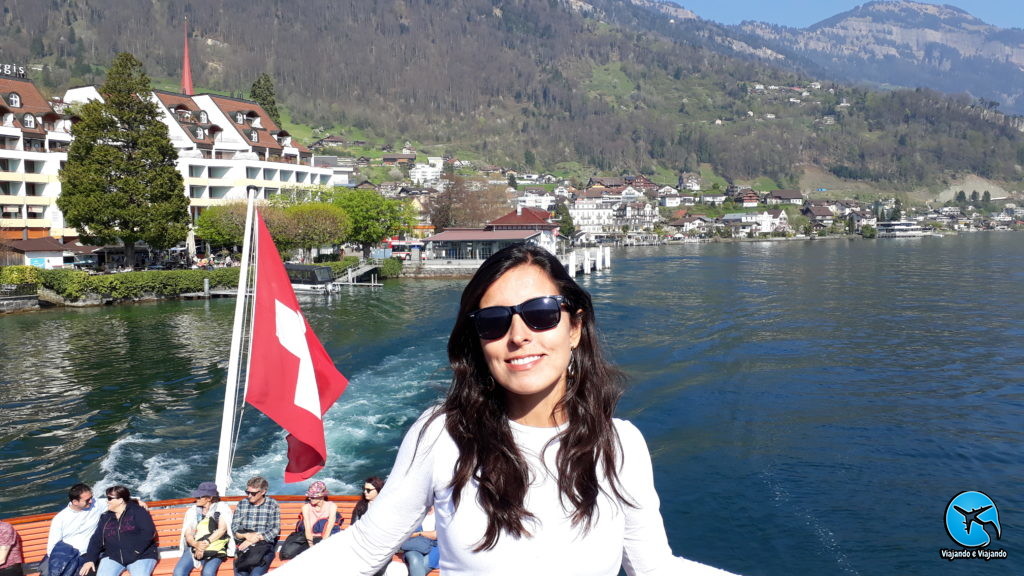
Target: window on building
x=200, y=134
x=239, y=118
x=203, y=118
x=15, y=100
x=254, y=136
x=28, y=121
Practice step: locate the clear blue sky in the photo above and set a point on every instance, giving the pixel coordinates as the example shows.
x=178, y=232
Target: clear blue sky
x=803, y=13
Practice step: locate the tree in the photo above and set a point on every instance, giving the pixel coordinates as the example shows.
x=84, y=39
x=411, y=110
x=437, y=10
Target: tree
x=566, y=226
x=317, y=224
x=372, y=217
x=222, y=225
x=120, y=183
x=897, y=210
x=529, y=158
x=262, y=93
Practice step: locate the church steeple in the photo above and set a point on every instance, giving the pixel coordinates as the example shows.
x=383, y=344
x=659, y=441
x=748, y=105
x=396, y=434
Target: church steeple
x=186, y=68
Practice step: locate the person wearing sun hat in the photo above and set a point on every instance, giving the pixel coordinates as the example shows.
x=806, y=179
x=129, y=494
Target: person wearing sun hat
x=206, y=538
x=320, y=516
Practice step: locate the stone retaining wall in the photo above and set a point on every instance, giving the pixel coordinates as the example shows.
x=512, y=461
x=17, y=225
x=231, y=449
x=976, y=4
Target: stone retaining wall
x=18, y=303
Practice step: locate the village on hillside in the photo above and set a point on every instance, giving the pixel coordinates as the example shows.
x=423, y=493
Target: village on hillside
x=228, y=146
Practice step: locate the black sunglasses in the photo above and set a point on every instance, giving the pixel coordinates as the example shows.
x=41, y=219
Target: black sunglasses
x=543, y=313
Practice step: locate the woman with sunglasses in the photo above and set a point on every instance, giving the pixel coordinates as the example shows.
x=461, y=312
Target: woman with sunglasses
x=125, y=538
x=527, y=469
x=371, y=488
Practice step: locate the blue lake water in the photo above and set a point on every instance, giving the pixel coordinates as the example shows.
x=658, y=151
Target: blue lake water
x=811, y=407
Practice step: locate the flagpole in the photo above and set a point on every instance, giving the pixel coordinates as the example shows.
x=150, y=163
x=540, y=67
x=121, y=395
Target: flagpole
x=225, y=450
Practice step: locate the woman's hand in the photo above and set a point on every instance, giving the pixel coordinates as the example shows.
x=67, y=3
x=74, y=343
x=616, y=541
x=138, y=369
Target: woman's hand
x=86, y=568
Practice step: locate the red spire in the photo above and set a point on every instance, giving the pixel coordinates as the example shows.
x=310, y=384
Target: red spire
x=186, y=68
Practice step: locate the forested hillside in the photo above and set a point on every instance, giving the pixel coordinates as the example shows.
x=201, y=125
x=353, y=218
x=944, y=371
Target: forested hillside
x=537, y=84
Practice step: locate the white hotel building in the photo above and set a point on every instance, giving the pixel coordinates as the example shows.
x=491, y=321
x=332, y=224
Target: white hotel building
x=34, y=139
x=225, y=145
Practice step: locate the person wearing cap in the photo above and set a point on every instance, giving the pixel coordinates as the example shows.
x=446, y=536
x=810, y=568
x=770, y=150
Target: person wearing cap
x=319, y=515
x=194, y=546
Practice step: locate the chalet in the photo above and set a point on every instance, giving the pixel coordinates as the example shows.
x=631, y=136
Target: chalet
x=606, y=182
x=328, y=141
x=777, y=197
x=712, y=198
x=779, y=222
x=747, y=198
x=391, y=159
x=692, y=225
x=863, y=218
x=820, y=215
x=388, y=189
x=642, y=183
x=669, y=199
x=527, y=225
x=690, y=181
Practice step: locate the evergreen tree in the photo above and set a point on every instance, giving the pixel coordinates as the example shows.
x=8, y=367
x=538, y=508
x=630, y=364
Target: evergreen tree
x=566, y=227
x=120, y=182
x=262, y=92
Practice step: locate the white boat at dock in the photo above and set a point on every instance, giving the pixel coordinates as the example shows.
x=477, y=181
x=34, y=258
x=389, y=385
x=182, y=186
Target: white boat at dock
x=902, y=229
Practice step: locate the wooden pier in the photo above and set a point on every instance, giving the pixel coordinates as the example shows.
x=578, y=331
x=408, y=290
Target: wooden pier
x=587, y=260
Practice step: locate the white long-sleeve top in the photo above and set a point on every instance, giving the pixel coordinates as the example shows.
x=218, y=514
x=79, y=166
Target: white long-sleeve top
x=75, y=527
x=621, y=535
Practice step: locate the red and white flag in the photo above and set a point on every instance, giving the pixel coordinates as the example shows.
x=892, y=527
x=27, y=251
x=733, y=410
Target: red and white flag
x=291, y=378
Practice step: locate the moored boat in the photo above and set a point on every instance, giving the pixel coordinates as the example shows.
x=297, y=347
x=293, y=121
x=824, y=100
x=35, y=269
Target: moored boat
x=900, y=229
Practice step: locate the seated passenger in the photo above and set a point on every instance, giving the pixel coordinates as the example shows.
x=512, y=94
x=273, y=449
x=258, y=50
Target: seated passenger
x=319, y=515
x=205, y=533
x=125, y=538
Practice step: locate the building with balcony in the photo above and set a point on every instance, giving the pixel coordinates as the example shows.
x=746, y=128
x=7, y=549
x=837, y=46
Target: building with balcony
x=34, y=139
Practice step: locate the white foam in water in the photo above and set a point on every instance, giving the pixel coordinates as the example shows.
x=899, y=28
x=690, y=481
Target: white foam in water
x=377, y=407
x=113, y=464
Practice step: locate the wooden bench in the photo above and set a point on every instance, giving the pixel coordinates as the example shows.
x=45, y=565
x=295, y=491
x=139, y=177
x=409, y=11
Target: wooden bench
x=168, y=516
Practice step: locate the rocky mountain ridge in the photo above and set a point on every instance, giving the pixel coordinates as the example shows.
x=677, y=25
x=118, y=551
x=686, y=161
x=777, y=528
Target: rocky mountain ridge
x=910, y=44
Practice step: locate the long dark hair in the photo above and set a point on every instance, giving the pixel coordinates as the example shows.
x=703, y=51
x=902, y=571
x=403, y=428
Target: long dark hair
x=476, y=419
x=364, y=504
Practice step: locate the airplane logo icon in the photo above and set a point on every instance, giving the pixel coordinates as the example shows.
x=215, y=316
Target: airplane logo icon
x=972, y=518
x=965, y=511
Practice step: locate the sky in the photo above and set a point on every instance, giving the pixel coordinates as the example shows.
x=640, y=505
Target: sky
x=803, y=13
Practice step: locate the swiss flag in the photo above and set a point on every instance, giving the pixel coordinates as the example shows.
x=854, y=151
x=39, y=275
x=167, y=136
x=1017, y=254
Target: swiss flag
x=291, y=378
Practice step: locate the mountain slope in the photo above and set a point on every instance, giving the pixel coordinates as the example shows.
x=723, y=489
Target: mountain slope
x=609, y=85
x=911, y=44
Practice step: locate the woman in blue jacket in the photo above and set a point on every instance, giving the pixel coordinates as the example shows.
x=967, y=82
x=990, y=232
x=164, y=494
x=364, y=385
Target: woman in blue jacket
x=125, y=538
